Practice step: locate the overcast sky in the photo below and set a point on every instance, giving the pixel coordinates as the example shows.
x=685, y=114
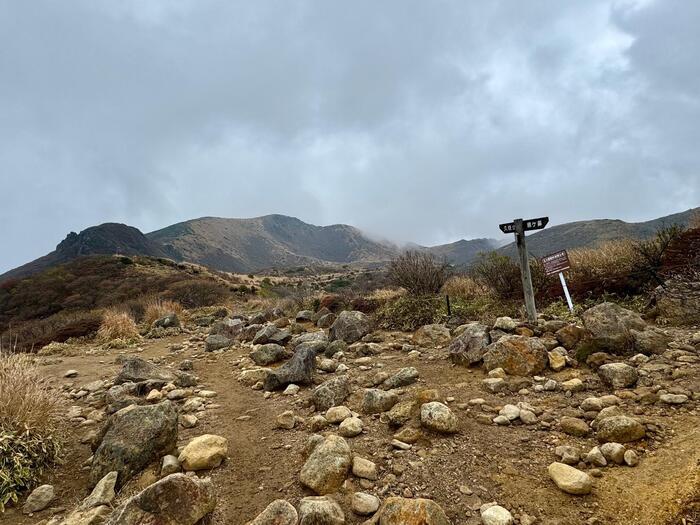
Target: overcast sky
x=424, y=121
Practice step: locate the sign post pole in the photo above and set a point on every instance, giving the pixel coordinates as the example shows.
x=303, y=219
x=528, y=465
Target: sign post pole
x=566, y=292
x=525, y=272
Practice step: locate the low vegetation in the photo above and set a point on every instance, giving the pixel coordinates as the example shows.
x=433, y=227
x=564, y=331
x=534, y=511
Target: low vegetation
x=29, y=426
x=117, y=324
x=418, y=272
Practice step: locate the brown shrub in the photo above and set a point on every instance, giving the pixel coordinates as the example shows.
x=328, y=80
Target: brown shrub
x=59, y=328
x=196, y=293
x=117, y=324
x=464, y=287
x=26, y=402
x=418, y=272
x=158, y=308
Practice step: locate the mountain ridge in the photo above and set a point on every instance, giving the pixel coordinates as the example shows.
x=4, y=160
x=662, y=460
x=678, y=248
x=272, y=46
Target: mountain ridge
x=246, y=245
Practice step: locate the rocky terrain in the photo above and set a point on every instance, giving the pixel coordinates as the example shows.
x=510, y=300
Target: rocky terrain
x=260, y=418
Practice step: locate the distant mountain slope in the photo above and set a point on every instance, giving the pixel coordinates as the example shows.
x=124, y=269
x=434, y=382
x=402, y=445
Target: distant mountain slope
x=106, y=239
x=244, y=245
x=583, y=234
x=462, y=252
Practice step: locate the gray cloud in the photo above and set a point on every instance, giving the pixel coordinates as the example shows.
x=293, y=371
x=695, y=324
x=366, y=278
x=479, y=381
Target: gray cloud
x=421, y=121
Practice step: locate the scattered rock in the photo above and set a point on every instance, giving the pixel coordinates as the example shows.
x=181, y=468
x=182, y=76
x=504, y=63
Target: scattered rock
x=432, y=336
x=405, y=511
x=331, y=393
x=132, y=438
x=470, y=346
x=517, y=355
x=39, y=499
x=298, y=370
x=267, y=354
x=175, y=499
x=376, y=401
x=216, y=342
x=364, y=468
x=620, y=429
x=618, y=375
x=574, y=426
x=327, y=466
x=364, y=504
x=404, y=377
x=350, y=427
x=438, y=417
x=320, y=510
x=495, y=515
x=570, y=479
x=350, y=327
x=279, y=512
x=204, y=452
x=610, y=325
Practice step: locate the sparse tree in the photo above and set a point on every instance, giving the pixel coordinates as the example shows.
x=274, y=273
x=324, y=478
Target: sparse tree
x=420, y=273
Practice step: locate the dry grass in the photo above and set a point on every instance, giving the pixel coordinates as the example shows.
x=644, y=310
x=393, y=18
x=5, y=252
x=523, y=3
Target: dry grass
x=464, y=287
x=26, y=402
x=158, y=308
x=117, y=324
x=384, y=295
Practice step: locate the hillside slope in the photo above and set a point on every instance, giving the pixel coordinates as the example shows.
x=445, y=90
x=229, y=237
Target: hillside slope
x=245, y=245
x=583, y=234
x=106, y=239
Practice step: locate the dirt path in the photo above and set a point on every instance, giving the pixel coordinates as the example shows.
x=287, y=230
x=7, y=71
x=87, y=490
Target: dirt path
x=482, y=463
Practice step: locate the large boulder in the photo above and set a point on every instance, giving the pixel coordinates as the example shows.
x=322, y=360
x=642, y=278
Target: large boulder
x=569, y=479
x=137, y=370
x=619, y=429
x=570, y=336
x=327, y=467
x=132, y=438
x=320, y=510
x=404, y=377
x=271, y=334
x=438, y=417
x=298, y=370
x=331, y=393
x=350, y=326
x=517, y=355
x=618, y=375
x=177, y=499
x=650, y=341
x=204, y=452
x=229, y=328
x=268, y=353
x=432, y=335
x=610, y=326
x=469, y=348
x=376, y=401
x=279, y=512
x=405, y=511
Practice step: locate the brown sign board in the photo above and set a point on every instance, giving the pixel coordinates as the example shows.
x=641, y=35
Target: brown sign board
x=556, y=262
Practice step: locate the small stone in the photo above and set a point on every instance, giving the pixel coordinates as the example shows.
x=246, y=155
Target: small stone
x=673, y=399
x=613, y=452
x=528, y=417
x=291, y=390
x=71, y=373
x=286, y=420
x=320, y=510
x=512, y=412
x=364, y=468
x=494, y=384
x=364, y=504
x=279, y=512
x=595, y=457
x=188, y=420
x=438, y=417
x=338, y=414
x=570, y=479
x=350, y=427
x=169, y=465
x=39, y=499
x=154, y=396
x=631, y=458
x=204, y=452
x=574, y=426
x=495, y=515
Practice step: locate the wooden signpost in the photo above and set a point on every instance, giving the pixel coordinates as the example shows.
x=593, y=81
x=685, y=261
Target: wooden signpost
x=519, y=227
x=556, y=263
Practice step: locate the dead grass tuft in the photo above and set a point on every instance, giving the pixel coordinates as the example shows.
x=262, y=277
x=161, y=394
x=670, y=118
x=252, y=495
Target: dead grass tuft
x=158, y=308
x=117, y=324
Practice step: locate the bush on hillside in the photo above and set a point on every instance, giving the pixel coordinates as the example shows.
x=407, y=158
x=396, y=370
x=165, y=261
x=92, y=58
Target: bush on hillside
x=29, y=422
x=195, y=293
x=156, y=308
x=117, y=324
x=418, y=272
x=499, y=274
x=410, y=312
x=31, y=335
